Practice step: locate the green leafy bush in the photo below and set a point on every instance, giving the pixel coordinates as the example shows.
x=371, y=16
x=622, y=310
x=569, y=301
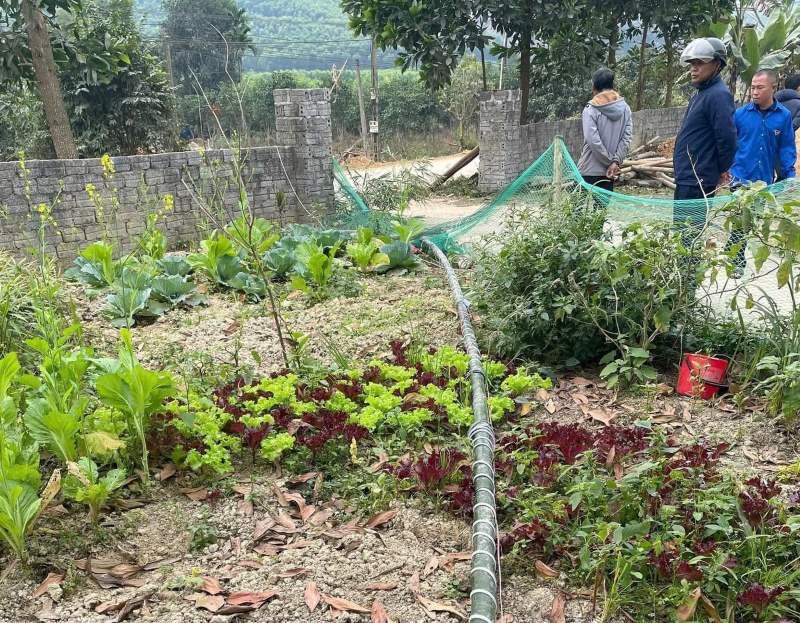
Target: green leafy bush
x=85, y=486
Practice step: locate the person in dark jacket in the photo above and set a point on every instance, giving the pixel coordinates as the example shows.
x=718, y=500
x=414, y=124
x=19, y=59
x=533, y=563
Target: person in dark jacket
x=790, y=98
x=706, y=142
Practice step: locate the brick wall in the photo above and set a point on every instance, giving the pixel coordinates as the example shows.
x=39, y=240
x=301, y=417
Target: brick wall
x=301, y=164
x=507, y=148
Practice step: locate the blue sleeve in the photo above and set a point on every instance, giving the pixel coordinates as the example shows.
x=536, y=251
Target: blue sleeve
x=787, y=151
x=721, y=114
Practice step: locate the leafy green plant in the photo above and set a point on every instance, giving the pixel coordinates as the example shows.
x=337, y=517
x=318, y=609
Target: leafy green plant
x=280, y=260
x=782, y=385
x=314, y=268
x=632, y=367
x=409, y=230
x=19, y=506
x=124, y=304
x=135, y=391
x=85, y=486
x=218, y=261
x=174, y=265
x=400, y=255
x=170, y=291
x=95, y=266
x=252, y=285
x=256, y=235
x=521, y=383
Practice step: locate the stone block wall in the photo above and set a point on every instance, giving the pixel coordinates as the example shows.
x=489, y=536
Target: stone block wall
x=200, y=182
x=507, y=148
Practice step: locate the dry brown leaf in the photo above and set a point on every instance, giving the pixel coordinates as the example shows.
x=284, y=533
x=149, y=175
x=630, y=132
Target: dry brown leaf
x=49, y=492
x=249, y=564
x=550, y=407
x=284, y=520
x=312, y=596
x=249, y=598
x=506, y=618
x=448, y=560
x=279, y=494
x=242, y=488
x=431, y=566
x=427, y=447
x=524, y=409
x=664, y=419
x=542, y=395
x=557, y=611
x=212, y=603
x=294, y=572
x=306, y=512
x=602, y=415
x=710, y=609
x=617, y=471
x=233, y=327
x=686, y=610
x=379, y=613
x=211, y=585
x=265, y=549
x=320, y=517
x=168, y=471
x=197, y=494
x=344, y=605
x=303, y=478
x=413, y=584
x=381, y=519
x=299, y=544
x=580, y=398
x=245, y=507
x=380, y=586
x=263, y=526
x=46, y=613
x=544, y=571
x=435, y=606
x=579, y=381
x=52, y=579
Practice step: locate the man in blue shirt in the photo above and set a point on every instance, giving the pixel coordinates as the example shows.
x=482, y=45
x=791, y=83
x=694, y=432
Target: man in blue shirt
x=765, y=151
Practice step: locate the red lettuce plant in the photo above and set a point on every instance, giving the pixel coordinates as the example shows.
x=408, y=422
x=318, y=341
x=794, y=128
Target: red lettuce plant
x=758, y=598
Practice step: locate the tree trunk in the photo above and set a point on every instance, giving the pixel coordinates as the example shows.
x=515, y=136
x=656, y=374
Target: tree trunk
x=49, y=88
x=524, y=75
x=670, y=79
x=642, y=60
x=483, y=70
x=613, y=41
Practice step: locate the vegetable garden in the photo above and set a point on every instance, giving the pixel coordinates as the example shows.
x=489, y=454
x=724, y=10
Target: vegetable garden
x=273, y=425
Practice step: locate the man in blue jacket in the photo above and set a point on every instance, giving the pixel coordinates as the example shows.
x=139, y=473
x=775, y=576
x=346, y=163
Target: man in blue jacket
x=706, y=142
x=766, y=151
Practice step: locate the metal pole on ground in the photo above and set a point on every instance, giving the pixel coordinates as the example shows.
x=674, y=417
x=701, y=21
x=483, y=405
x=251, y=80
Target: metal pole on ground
x=485, y=594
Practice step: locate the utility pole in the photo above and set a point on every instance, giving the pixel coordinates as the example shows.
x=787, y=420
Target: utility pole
x=503, y=63
x=362, y=111
x=373, y=126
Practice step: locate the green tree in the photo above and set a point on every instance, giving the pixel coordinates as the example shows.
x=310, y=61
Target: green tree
x=430, y=36
x=26, y=52
x=677, y=22
x=206, y=40
x=126, y=110
x=460, y=96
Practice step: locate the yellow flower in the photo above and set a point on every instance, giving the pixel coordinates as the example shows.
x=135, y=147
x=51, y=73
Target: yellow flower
x=169, y=202
x=354, y=452
x=108, y=165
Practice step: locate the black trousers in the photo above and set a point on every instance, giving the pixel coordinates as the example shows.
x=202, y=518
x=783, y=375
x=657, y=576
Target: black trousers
x=600, y=181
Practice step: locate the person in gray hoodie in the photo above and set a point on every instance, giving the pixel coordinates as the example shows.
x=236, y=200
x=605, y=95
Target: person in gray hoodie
x=607, y=132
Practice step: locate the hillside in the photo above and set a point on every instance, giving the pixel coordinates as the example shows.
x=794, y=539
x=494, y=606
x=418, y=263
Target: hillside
x=289, y=34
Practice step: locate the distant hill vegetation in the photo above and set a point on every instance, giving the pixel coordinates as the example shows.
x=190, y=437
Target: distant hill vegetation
x=289, y=34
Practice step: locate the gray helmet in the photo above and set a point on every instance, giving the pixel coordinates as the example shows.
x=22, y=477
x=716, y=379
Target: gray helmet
x=705, y=49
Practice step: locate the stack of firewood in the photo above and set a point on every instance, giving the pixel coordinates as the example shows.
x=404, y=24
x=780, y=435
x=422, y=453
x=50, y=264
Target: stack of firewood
x=644, y=166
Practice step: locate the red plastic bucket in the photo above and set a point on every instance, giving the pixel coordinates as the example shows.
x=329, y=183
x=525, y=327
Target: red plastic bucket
x=700, y=376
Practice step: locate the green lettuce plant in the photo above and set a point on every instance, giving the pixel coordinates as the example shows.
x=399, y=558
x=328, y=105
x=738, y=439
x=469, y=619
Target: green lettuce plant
x=135, y=391
x=85, y=486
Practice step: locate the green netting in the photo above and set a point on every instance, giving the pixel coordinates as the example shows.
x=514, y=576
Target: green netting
x=553, y=172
